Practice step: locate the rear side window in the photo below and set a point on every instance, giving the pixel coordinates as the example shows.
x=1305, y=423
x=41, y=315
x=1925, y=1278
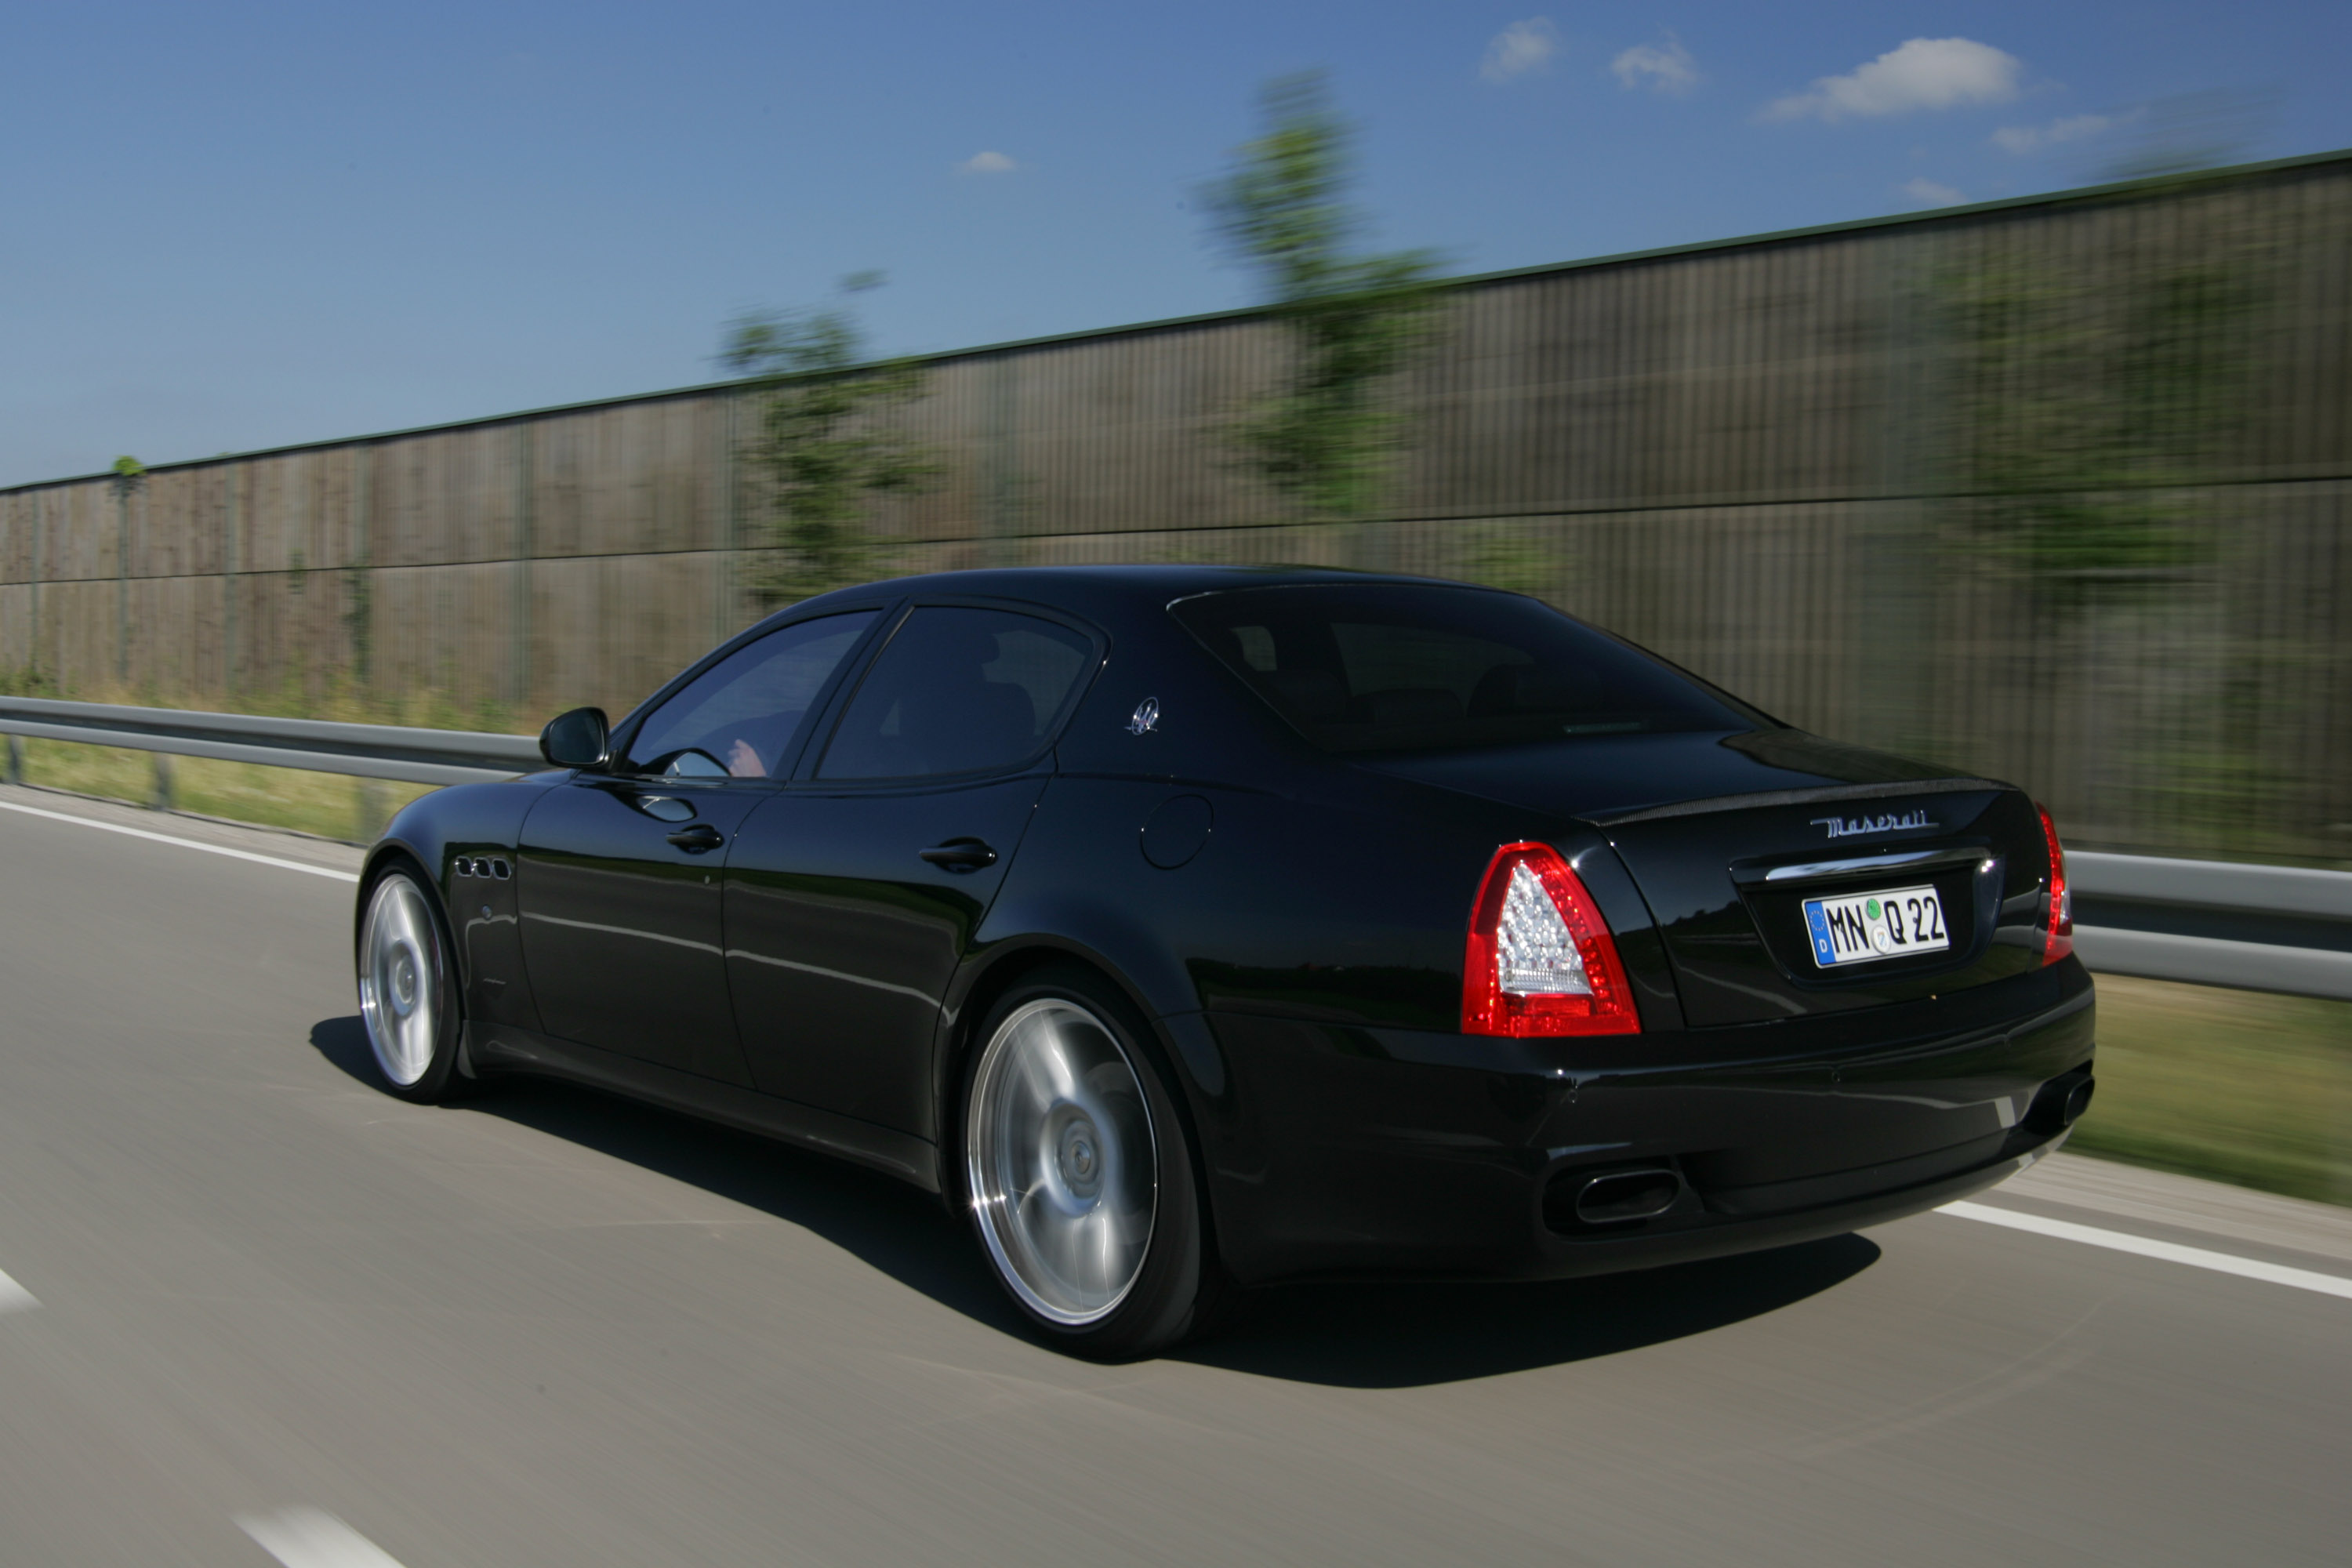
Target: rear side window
x=1412, y=667
x=957, y=690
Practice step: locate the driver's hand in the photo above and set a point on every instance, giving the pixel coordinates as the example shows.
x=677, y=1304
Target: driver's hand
x=744, y=762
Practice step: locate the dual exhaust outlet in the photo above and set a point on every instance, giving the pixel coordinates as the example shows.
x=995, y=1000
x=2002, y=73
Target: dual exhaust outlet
x=2060, y=1102
x=1619, y=1197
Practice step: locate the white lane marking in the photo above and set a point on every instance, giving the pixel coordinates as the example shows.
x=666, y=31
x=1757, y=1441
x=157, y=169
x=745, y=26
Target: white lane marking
x=15, y=1297
x=2169, y=1251
x=313, y=1538
x=184, y=843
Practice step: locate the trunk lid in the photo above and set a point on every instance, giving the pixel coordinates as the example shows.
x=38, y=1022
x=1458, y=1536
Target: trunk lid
x=1728, y=837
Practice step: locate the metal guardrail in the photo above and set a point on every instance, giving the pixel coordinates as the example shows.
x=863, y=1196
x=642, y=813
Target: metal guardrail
x=2214, y=922
x=363, y=751
x=2255, y=928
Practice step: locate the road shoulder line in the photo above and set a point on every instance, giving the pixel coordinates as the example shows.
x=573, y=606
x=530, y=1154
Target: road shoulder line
x=2136, y=1196
x=328, y=871
x=2168, y=1251
x=15, y=1297
x=314, y=1537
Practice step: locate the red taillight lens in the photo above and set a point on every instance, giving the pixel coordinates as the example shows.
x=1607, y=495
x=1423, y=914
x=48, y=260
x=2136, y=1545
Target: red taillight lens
x=2060, y=935
x=1540, y=959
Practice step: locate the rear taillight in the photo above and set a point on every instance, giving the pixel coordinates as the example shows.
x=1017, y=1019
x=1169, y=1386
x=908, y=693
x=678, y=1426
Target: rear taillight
x=1540, y=959
x=2060, y=940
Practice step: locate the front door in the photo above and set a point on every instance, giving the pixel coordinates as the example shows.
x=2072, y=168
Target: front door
x=853, y=894
x=620, y=902
x=621, y=880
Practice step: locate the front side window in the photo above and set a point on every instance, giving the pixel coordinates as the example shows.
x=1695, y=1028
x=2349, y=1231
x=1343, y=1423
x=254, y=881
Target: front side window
x=1374, y=668
x=742, y=717
x=957, y=690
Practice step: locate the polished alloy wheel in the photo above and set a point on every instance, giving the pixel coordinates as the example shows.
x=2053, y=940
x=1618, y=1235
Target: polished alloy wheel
x=400, y=979
x=1061, y=1167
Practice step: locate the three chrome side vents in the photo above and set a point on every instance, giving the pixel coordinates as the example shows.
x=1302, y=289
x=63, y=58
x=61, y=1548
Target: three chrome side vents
x=482, y=865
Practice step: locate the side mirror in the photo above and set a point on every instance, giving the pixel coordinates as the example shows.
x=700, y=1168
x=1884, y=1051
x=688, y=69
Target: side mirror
x=579, y=738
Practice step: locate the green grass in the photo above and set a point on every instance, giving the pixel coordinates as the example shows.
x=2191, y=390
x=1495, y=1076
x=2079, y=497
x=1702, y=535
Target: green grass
x=331, y=805
x=2233, y=1086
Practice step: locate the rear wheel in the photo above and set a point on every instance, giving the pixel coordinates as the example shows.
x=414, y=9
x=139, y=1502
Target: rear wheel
x=1080, y=1182
x=408, y=988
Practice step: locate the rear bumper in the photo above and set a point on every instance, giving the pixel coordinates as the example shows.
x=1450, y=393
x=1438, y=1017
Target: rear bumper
x=1337, y=1150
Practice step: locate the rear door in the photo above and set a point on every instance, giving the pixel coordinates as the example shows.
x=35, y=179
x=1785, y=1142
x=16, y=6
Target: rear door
x=853, y=894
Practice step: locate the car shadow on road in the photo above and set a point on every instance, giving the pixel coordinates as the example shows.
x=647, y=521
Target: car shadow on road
x=1374, y=1335
x=1405, y=1335
x=894, y=1228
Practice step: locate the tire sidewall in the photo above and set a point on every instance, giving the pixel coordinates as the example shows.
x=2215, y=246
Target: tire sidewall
x=1169, y=1296
x=440, y=1078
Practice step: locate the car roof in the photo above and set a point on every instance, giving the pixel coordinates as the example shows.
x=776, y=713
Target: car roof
x=1127, y=587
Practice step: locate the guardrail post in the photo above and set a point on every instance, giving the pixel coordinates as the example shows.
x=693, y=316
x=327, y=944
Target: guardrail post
x=374, y=812
x=167, y=795
x=15, y=758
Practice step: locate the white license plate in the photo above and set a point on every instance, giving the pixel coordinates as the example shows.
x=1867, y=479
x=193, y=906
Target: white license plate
x=1861, y=927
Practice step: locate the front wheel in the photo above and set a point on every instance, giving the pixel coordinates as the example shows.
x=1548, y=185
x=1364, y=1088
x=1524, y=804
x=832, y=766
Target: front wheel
x=408, y=989
x=1080, y=1182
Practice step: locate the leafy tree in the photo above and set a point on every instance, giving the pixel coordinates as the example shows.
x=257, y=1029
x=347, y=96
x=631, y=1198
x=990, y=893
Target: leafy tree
x=2087, y=399
x=1324, y=438
x=825, y=444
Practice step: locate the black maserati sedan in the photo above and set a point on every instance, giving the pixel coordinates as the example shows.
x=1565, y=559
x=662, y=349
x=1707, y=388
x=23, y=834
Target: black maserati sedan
x=1196, y=928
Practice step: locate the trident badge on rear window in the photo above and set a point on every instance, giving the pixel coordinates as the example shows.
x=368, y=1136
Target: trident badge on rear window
x=1147, y=717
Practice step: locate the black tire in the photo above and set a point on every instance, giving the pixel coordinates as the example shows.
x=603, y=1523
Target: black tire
x=407, y=977
x=1103, y=1124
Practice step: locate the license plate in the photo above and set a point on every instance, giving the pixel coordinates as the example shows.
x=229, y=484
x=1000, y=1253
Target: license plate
x=1862, y=927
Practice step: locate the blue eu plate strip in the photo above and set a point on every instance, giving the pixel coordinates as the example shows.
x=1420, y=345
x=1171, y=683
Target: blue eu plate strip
x=1824, y=949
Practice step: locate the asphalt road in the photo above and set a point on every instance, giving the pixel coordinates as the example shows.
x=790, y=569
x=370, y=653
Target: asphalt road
x=551, y=1327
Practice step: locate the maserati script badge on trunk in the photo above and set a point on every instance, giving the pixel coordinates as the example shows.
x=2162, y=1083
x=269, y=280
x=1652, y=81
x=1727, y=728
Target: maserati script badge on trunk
x=1846, y=826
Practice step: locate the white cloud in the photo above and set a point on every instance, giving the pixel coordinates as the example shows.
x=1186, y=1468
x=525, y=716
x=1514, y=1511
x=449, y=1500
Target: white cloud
x=1521, y=48
x=2022, y=138
x=1927, y=193
x=1668, y=70
x=988, y=164
x=1925, y=73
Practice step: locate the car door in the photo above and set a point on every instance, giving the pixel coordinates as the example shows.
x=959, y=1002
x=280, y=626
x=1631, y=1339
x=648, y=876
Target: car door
x=619, y=889
x=851, y=894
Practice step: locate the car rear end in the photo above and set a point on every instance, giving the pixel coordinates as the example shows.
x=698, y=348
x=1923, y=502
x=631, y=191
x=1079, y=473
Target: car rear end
x=1865, y=1030
x=1714, y=984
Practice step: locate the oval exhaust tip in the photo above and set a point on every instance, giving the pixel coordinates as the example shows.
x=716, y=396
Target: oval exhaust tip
x=2078, y=1099
x=1622, y=1196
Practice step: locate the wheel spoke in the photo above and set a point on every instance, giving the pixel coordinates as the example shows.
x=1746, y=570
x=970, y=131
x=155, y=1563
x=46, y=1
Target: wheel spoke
x=1043, y=1063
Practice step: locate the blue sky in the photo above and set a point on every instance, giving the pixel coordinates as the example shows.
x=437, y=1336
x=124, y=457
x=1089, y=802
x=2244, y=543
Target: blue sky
x=235, y=227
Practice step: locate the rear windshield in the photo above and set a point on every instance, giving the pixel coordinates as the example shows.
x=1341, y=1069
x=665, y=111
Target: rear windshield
x=1421, y=668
